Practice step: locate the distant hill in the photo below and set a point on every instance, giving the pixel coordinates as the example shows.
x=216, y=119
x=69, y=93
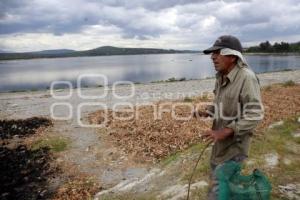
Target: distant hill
x=54, y=51
x=1, y=51
x=100, y=51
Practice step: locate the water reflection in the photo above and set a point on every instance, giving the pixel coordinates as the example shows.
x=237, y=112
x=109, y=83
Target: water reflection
x=39, y=73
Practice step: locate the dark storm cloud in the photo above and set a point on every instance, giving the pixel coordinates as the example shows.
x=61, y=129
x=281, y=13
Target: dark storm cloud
x=34, y=16
x=272, y=20
x=156, y=5
x=7, y=6
x=68, y=17
x=153, y=5
x=147, y=19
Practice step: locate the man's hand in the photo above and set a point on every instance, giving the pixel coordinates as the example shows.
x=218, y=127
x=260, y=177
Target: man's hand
x=214, y=136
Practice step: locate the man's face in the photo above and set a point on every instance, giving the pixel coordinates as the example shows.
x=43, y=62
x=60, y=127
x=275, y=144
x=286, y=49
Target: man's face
x=222, y=63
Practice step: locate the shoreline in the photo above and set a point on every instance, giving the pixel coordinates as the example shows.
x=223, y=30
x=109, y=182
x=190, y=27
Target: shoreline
x=39, y=103
x=271, y=54
x=135, y=83
x=200, y=52
x=55, y=57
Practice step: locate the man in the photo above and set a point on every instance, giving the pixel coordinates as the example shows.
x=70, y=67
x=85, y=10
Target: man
x=237, y=107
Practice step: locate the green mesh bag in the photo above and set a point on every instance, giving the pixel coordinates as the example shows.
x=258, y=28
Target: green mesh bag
x=234, y=186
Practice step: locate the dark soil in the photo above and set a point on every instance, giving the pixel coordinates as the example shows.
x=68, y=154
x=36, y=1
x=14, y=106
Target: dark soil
x=22, y=128
x=24, y=173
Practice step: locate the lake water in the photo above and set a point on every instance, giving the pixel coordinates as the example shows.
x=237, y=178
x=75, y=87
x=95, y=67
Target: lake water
x=39, y=73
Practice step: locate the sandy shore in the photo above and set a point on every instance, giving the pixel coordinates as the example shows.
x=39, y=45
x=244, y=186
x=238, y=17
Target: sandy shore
x=28, y=104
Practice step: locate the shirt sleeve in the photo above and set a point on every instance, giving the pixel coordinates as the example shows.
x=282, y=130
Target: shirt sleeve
x=211, y=108
x=251, y=108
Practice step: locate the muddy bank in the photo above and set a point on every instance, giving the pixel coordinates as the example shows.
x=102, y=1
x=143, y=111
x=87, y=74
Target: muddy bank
x=30, y=167
x=22, y=128
x=24, y=173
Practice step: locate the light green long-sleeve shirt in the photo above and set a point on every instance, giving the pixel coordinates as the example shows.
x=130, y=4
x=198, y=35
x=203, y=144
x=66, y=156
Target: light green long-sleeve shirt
x=237, y=105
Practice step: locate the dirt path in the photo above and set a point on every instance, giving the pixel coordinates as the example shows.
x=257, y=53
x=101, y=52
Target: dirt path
x=90, y=151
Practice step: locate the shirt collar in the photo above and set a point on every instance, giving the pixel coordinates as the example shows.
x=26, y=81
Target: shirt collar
x=231, y=75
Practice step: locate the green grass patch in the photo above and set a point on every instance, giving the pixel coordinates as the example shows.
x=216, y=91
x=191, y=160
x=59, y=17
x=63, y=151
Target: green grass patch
x=289, y=83
x=204, y=97
x=278, y=140
x=196, y=148
x=203, y=167
x=188, y=99
x=170, y=80
x=202, y=170
x=129, y=196
x=171, y=158
x=55, y=144
x=173, y=79
x=268, y=88
x=199, y=194
x=275, y=139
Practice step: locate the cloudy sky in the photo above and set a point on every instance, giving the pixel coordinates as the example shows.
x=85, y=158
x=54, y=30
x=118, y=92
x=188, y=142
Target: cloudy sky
x=29, y=25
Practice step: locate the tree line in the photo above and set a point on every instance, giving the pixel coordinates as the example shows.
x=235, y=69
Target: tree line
x=267, y=47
